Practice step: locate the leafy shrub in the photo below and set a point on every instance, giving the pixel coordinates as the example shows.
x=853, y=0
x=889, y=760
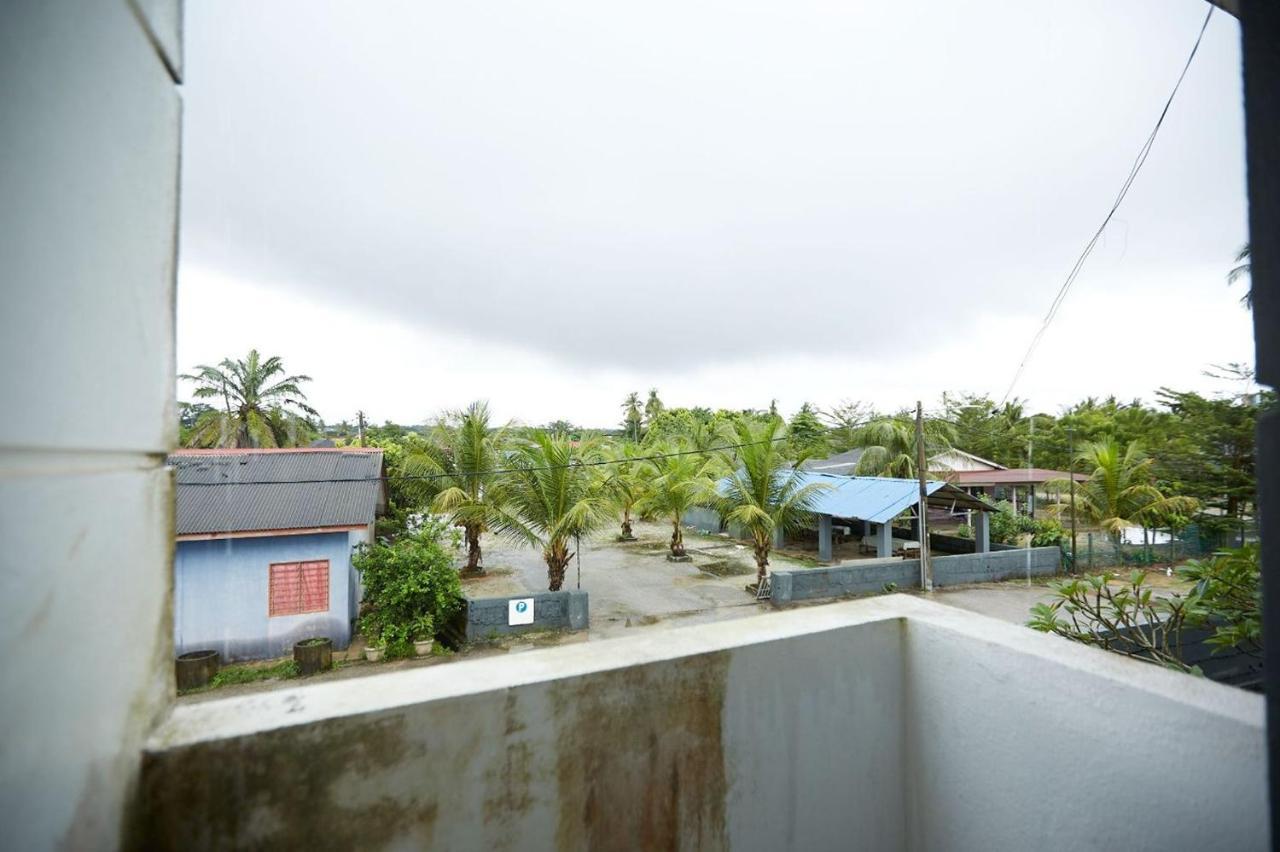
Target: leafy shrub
x=1007, y=527
x=410, y=586
x=1125, y=617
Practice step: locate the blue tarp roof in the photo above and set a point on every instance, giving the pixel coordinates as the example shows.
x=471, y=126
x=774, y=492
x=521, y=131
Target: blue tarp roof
x=880, y=499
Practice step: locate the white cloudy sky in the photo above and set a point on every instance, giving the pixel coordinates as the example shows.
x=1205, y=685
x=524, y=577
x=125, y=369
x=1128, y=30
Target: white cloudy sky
x=551, y=204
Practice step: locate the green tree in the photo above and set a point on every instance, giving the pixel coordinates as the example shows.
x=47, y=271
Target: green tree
x=678, y=483
x=764, y=493
x=889, y=444
x=632, y=418
x=806, y=436
x=1119, y=492
x=844, y=421
x=1210, y=454
x=261, y=406
x=458, y=470
x=628, y=482
x=411, y=589
x=552, y=498
x=652, y=406
x=1243, y=269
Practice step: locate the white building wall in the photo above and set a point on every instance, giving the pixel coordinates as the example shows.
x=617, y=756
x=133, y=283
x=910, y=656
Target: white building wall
x=89, y=135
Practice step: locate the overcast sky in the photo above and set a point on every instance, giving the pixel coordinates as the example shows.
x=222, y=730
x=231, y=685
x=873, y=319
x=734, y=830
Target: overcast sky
x=551, y=204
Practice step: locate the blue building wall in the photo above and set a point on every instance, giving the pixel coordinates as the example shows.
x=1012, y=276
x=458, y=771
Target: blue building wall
x=221, y=595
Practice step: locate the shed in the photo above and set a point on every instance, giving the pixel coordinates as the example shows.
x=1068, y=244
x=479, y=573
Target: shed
x=264, y=543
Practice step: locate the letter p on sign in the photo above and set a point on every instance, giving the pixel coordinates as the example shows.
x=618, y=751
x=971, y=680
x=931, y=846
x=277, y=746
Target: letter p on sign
x=520, y=611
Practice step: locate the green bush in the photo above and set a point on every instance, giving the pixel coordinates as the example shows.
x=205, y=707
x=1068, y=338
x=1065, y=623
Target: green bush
x=410, y=587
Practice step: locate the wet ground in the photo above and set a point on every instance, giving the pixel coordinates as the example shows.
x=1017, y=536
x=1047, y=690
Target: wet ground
x=632, y=584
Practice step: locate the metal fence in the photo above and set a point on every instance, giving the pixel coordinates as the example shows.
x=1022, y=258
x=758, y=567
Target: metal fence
x=1098, y=550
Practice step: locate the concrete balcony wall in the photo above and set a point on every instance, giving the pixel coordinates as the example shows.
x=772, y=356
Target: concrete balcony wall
x=889, y=723
x=90, y=132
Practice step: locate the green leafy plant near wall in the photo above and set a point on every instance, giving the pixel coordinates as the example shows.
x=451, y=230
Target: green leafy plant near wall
x=1007, y=527
x=410, y=587
x=1128, y=618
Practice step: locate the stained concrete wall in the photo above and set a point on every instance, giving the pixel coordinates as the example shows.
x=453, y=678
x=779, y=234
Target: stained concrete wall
x=564, y=610
x=221, y=595
x=90, y=131
x=889, y=723
x=869, y=576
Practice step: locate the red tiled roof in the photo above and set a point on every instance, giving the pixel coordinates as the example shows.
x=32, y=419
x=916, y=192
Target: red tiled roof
x=1012, y=476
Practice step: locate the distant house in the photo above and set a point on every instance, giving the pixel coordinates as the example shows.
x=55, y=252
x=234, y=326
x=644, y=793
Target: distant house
x=264, y=542
x=846, y=463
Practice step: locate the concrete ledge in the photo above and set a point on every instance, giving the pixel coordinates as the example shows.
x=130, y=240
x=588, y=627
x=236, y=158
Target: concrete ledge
x=890, y=723
x=563, y=610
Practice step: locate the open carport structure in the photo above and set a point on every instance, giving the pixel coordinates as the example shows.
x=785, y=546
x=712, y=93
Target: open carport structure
x=874, y=501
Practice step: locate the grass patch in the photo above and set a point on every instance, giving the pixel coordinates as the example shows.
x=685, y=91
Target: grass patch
x=727, y=567
x=251, y=674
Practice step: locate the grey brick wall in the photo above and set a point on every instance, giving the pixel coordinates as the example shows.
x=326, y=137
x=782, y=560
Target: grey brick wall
x=551, y=611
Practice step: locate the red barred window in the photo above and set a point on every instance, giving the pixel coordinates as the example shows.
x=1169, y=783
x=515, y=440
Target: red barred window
x=298, y=587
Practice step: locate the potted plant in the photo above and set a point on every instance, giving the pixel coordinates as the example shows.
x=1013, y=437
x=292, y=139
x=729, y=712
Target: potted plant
x=375, y=643
x=424, y=635
x=313, y=655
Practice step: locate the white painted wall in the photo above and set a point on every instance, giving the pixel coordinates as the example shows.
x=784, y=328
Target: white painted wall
x=879, y=724
x=90, y=132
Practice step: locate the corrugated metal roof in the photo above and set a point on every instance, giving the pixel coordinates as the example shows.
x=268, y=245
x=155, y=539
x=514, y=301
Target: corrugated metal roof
x=245, y=490
x=880, y=499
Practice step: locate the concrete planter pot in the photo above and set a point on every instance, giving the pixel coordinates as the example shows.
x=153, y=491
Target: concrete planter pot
x=374, y=654
x=424, y=647
x=313, y=655
x=195, y=669
x=681, y=558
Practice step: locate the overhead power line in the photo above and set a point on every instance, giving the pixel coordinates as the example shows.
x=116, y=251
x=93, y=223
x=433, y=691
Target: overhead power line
x=465, y=474
x=1115, y=205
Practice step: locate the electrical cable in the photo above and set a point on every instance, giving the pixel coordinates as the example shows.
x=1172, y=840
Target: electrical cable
x=1115, y=205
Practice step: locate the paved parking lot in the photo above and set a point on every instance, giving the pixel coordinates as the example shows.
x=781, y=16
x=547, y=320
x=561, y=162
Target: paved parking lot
x=632, y=584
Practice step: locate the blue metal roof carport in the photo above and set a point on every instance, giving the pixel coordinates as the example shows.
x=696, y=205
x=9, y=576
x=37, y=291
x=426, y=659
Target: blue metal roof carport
x=880, y=499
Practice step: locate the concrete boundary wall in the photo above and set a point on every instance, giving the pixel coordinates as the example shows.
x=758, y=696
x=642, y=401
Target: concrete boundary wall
x=551, y=611
x=869, y=576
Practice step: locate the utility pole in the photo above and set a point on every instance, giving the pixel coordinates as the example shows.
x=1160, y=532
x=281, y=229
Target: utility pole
x=360, y=421
x=1031, y=492
x=926, y=567
x=1071, y=475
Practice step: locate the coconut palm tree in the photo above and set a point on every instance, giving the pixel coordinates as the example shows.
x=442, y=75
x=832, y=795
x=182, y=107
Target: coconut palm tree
x=889, y=444
x=631, y=416
x=628, y=482
x=261, y=406
x=1243, y=269
x=551, y=498
x=765, y=493
x=652, y=407
x=680, y=479
x=1119, y=492
x=458, y=467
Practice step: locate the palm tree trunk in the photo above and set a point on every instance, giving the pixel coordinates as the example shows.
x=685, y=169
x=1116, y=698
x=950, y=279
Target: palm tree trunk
x=557, y=555
x=473, y=549
x=761, y=552
x=626, y=524
x=677, y=538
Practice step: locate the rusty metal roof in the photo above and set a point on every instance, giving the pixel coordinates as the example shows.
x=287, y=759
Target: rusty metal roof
x=225, y=491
